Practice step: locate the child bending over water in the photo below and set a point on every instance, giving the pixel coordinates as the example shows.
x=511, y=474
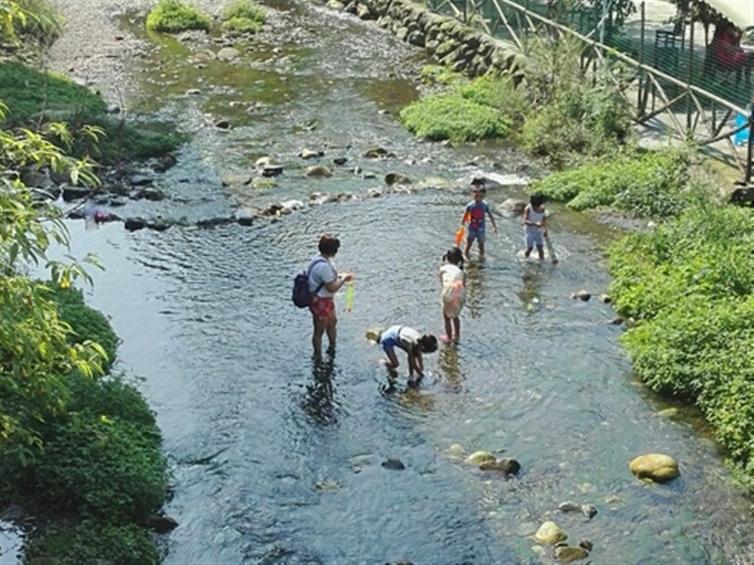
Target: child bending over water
x=413, y=343
x=453, y=295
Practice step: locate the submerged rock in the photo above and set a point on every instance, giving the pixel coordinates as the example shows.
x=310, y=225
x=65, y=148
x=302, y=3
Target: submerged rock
x=455, y=450
x=568, y=554
x=394, y=464
x=161, y=523
x=340, y=160
x=569, y=506
x=272, y=170
x=396, y=178
x=318, y=171
x=134, y=224
x=377, y=153
x=480, y=457
x=310, y=154
x=586, y=544
x=589, y=510
x=584, y=295
x=549, y=533
x=656, y=466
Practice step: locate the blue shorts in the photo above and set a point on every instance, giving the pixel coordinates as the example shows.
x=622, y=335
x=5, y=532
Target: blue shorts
x=534, y=238
x=477, y=234
x=389, y=338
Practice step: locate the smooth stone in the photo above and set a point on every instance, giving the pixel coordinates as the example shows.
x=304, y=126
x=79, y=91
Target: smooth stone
x=377, y=153
x=152, y=194
x=318, y=171
x=223, y=124
x=505, y=465
x=374, y=193
x=340, y=160
x=134, y=224
x=605, y=299
x=291, y=206
x=245, y=217
x=455, y=450
x=193, y=92
x=569, y=506
x=656, y=466
x=568, y=554
x=617, y=321
x=310, y=154
x=394, y=465
x=581, y=295
x=228, y=54
x=671, y=412
x=161, y=524
x=586, y=544
x=539, y=550
x=480, y=457
x=589, y=510
x=272, y=170
x=550, y=533
x=263, y=162
x=396, y=178
x=336, y=5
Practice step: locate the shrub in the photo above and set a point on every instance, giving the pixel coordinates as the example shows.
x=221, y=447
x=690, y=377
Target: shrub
x=500, y=93
x=646, y=185
x=101, y=467
x=91, y=543
x=87, y=323
x=124, y=141
x=244, y=16
x=29, y=92
x=450, y=116
x=439, y=75
x=172, y=16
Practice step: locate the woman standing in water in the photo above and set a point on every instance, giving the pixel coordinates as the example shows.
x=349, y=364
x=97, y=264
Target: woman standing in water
x=324, y=282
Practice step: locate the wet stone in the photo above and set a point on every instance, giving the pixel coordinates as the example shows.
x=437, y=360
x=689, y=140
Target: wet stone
x=394, y=464
x=569, y=506
x=586, y=544
x=550, y=533
x=396, y=178
x=583, y=295
x=134, y=224
x=318, y=171
x=161, y=523
x=340, y=160
x=271, y=170
x=568, y=554
x=75, y=193
x=589, y=510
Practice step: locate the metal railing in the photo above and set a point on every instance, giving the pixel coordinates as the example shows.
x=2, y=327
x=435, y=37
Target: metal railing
x=671, y=81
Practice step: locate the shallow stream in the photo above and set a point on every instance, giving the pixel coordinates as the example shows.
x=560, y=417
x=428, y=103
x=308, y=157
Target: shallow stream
x=277, y=460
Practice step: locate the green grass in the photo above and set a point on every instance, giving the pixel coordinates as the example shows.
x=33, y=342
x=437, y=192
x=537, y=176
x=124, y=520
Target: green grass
x=450, y=116
x=652, y=184
x=92, y=543
x=173, y=16
x=243, y=16
x=28, y=92
x=690, y=283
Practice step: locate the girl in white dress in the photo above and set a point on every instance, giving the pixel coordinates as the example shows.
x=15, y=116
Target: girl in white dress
x=453, y=294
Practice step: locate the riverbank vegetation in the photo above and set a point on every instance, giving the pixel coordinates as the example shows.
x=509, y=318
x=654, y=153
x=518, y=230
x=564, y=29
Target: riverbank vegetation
x=79, y=447
x=243, y=16
x=173, y=16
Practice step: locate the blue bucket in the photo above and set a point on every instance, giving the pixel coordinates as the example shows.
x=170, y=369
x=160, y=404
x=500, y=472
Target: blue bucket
x=742, y=137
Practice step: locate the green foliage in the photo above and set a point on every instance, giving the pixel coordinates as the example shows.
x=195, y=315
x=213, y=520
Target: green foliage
x=101, y=466
x=244, y=16
x=28, y=19
x=87, y=323
x=29, y=92
x=124, y=141
x=579, y=119
x=91, y=543
x=645, y=185
x=450, y=116
x=440, y=75
x=690, y=282
x=173, y=16
x=500, y=93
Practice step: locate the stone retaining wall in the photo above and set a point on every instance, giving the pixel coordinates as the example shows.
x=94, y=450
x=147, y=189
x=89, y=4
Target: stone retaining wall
x=448, y=40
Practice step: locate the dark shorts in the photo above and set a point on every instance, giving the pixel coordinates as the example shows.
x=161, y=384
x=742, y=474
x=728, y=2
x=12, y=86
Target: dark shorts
x=322, y=308
x=477, y=235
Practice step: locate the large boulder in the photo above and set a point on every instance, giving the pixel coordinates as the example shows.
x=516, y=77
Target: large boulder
x=655, y=466
x=550, y=533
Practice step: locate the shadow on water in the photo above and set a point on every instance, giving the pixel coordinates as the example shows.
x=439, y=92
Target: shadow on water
x=205, y=318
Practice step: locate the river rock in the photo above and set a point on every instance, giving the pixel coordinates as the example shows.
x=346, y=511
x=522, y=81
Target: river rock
x=134, y=224
x=504, y=465
x=589, y=510
x=318, y=171
x=550, y=533
x=605, y=299
x=336, y=5
x=223, y=124
x=272, y=170
x=568, y=554
x=228, y=54
x=656, y=466
x=394, y=464
x=417, y=38
x=455, y=450
x=152, y=194
x=340, y=160
x=569, y=506
x=245, y=217
x=617, y=321
x=291, y=206
x=164, y=163
x=75, y=193
x=363, y=12
x=480, y=457
x=586, y=544
x=161, y=523
x=310, y=154
x=671, y=412
x=396, y=178
x=263, y=162
x=584, y=295
x=377, y=153
x=513, y=206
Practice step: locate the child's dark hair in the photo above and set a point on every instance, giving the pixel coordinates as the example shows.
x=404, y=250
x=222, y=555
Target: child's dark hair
x=428, y=343
x=537, y=200
x=329, y=245
x=454, y=256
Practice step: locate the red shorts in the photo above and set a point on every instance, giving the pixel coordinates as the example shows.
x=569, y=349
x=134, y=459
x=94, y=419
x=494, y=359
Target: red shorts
x=322, y=308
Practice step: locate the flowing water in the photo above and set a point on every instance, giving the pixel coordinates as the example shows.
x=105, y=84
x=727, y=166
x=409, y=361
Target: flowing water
x=277, y=459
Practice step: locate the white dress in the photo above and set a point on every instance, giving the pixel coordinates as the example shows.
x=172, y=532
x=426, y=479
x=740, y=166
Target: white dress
x=453, y=290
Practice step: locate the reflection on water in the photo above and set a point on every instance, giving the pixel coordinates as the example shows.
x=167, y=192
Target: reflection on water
x=319, y=400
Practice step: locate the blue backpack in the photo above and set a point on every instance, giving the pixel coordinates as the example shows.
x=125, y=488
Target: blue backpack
x=301, y=296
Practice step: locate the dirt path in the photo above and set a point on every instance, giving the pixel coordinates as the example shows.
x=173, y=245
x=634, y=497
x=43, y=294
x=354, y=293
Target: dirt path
x=93, y=48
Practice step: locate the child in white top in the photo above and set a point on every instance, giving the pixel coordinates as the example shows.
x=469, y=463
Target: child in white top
x=535, y=225
x=453, y=295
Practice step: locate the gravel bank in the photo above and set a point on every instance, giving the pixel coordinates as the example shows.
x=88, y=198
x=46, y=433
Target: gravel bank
x=93, y=48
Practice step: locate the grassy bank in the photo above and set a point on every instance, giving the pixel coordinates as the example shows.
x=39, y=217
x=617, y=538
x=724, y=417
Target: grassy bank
x=35, y=98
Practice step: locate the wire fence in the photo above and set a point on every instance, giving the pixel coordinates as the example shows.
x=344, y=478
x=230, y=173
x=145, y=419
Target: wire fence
x=682, y=76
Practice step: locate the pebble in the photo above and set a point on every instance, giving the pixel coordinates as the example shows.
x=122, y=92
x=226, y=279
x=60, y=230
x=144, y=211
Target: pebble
x=394, y=464
x=550, y=533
